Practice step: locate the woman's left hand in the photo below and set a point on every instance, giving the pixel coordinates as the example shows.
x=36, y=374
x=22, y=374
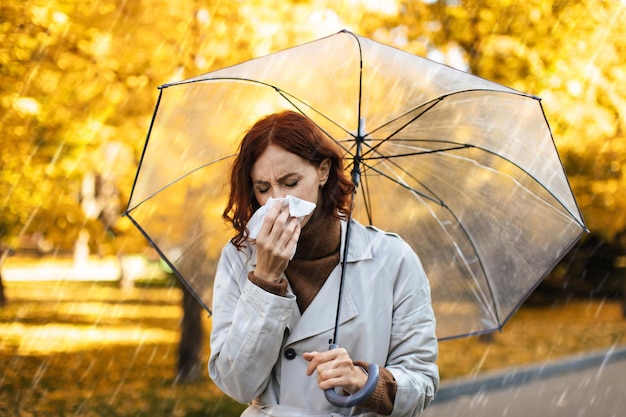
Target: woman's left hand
x=335, y=369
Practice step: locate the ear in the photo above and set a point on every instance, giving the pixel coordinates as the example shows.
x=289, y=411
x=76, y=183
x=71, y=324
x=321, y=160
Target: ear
x=324, y=170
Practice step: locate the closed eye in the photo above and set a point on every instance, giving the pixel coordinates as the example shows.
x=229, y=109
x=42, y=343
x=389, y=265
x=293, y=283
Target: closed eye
x=261, y=187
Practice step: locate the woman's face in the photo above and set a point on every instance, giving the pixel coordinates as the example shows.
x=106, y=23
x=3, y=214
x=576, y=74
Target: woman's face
x=278, y=173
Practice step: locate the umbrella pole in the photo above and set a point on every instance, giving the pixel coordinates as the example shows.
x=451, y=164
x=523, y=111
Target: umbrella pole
x=372, y=371
x=333, y=341
x=356, y=178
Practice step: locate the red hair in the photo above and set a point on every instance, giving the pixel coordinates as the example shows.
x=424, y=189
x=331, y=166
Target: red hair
x=297, y=134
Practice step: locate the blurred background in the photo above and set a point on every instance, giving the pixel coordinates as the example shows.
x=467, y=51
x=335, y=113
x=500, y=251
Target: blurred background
x=91, y=322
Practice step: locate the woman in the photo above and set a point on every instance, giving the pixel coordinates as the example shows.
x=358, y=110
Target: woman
x=274, y=311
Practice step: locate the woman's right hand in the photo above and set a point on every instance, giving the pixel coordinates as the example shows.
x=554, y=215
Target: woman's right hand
x=276, y=243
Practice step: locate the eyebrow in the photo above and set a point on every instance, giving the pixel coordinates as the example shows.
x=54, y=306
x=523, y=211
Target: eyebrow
x=283, y=178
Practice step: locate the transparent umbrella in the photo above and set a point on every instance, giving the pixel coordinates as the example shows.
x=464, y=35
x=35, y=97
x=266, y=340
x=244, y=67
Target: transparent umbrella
x=464, y=169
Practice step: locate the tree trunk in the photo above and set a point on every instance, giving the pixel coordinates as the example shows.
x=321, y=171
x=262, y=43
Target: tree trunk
x=622, y=278
x=189, y=349
x=192, y=260
x=3, y=299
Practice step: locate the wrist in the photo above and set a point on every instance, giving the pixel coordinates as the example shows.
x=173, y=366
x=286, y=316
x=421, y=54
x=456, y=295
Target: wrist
x=361, y=375
x=279, y=288
x=271, y=278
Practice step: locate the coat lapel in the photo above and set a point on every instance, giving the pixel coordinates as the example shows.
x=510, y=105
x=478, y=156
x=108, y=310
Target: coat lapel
x=320, y=315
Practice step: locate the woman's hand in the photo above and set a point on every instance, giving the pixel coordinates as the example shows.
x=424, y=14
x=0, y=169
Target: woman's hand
x=276, y=243
x=335, y=369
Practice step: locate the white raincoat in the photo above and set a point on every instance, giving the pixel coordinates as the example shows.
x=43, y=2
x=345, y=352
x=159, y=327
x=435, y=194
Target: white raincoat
x=386, y=318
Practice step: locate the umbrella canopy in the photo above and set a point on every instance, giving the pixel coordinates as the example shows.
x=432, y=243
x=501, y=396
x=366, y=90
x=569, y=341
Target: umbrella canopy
x=464, y=169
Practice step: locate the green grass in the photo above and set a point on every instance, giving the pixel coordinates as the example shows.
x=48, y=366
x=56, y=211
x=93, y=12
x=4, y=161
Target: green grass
x=84, y=349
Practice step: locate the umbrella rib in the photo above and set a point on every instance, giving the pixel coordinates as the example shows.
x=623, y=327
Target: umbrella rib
x=178, y=179
x=461, y=146
x=580, y=214
x=454, y=148
x=143, y=152
x=537, y=182
x=425, y=108
x=445, y=206
x=430, y=105
x=169, y=263
x=291, y=99
x=347, y=150
x=404, y=185
x=436, y=100
x=468, y=146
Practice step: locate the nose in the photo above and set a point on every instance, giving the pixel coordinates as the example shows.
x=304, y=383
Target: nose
x=278, y=192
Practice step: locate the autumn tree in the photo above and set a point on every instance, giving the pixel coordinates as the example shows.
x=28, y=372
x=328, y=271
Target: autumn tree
x=569, y=53
x=78, y=85
x=572, y=54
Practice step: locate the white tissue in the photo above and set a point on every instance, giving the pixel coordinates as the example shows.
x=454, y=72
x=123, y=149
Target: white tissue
x=297, y=208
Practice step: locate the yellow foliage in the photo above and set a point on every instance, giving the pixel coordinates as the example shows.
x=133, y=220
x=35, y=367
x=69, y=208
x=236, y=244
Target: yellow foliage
x=101, y=350
x=79, y=74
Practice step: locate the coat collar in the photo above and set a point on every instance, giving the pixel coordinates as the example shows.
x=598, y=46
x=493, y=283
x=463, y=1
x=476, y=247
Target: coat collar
x=359, y=247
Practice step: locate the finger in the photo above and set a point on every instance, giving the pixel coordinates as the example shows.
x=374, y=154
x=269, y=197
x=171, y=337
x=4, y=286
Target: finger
x=289, y=236
x=321, y=361
x=338, y=374
x=310, y=356
x=295, y=236
x=331, y=378
x=331, y=354
x=270, y=218
x=274, y=238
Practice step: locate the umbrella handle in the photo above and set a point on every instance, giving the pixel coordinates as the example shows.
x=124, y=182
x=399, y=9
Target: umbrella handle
x=359, y=396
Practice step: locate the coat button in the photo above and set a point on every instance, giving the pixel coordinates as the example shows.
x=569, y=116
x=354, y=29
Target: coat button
x=290, y=354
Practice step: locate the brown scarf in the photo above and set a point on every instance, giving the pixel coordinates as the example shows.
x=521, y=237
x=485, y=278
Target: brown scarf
x=316, y=256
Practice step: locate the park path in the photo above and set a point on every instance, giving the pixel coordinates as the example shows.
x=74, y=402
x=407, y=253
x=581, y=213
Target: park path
x=593, y=385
